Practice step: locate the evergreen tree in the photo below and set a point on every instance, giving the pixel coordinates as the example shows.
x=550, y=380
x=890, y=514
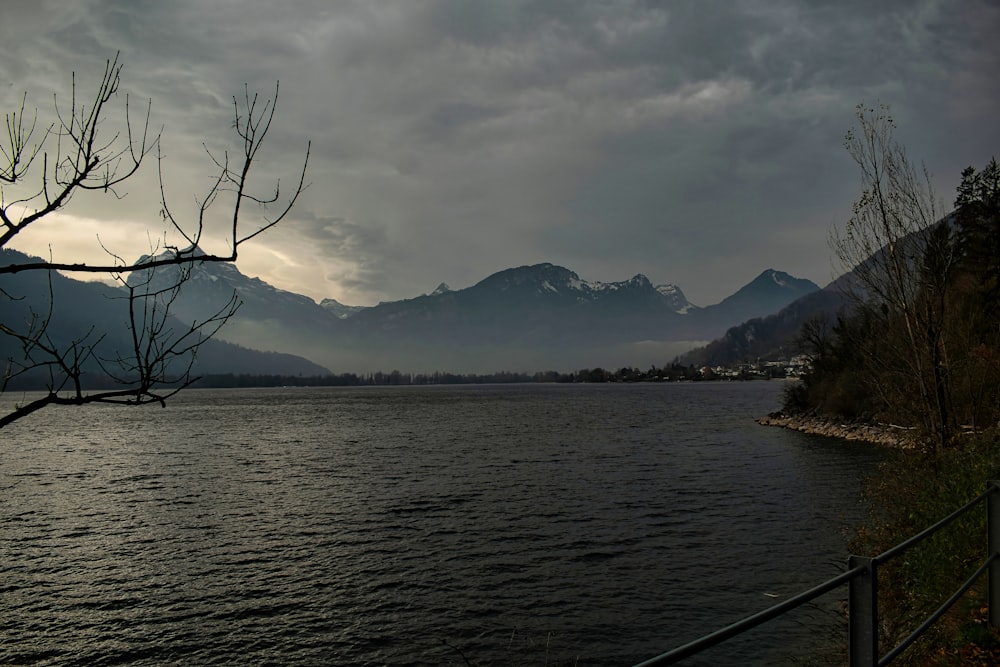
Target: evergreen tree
x=977, y=217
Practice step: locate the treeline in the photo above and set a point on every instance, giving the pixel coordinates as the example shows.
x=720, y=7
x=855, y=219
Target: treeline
x=674, y=372
x=920, y=344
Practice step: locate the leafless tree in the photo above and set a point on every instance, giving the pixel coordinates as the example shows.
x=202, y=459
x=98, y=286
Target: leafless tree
x=89, y=147
x=901, y=259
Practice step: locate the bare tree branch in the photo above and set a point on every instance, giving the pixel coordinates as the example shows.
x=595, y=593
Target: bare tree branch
x=887, y=245
x=78, y=152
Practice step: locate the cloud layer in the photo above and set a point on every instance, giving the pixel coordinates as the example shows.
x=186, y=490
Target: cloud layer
x=697, y=142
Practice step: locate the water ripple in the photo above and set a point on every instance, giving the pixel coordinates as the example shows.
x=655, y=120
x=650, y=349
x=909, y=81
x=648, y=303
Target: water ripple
x=408, y=526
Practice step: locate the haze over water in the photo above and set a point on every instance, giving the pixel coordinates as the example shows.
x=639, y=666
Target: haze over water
x=528, y=524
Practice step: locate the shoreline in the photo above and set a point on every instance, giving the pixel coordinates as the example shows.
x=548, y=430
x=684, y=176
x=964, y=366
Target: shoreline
x=877, y=434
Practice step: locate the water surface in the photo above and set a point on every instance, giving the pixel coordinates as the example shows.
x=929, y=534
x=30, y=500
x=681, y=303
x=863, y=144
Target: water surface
x=514, y=525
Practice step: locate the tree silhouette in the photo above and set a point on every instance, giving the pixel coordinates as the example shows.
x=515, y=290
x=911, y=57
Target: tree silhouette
x=88, y=147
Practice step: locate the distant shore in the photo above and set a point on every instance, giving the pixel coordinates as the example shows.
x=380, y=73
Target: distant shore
x=878, y=434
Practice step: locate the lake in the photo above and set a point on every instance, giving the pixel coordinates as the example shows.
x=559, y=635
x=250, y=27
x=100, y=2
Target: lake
x=452, y=525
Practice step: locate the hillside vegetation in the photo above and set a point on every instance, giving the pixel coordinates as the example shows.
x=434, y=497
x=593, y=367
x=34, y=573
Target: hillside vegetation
x=919, y=343
x=918, y=346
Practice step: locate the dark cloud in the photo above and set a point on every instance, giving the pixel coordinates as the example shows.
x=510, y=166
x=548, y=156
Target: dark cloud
x=698, y=142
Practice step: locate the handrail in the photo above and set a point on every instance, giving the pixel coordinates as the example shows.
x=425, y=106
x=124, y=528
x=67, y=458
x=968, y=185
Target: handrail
x=956, y=596
x=865, y=595
x=719, y=636
x=891, y=553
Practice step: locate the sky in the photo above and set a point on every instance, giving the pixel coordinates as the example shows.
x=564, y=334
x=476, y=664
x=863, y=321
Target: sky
x=698, y=142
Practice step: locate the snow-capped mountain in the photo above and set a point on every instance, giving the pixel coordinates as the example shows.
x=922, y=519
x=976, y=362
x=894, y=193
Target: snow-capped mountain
x=80, y=306
x=767, y=293
x=338, y=309
x=268, y=318
x=538, y=316
x=535, y=317
x=675, y=297
x=211, y=284
x=542, y=279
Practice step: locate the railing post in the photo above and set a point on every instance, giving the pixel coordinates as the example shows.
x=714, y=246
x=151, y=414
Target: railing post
x=992, y=547
x=862, y=612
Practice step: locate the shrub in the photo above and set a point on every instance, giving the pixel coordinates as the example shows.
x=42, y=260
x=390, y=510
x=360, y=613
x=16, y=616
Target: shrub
x=909, y=493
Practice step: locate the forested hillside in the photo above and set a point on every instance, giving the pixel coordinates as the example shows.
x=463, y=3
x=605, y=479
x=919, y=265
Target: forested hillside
x=919, y=342
x=917, y=345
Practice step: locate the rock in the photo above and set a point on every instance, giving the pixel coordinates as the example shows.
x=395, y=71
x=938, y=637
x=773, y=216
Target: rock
x=879, y=434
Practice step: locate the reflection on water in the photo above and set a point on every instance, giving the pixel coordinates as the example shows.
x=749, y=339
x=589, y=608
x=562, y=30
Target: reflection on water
x=418, y=526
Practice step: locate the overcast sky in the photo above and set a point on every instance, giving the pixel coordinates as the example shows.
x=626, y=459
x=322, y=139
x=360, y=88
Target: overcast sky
x=698, y=142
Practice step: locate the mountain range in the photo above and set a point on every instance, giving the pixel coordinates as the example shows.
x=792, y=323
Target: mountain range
x=527, y=318
x=534, y=317
x=81, y=307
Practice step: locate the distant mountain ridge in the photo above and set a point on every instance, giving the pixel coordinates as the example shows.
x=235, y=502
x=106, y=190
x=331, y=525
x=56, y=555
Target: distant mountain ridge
x=772, y=337
x=534, y=317
x=548, y=277
x=81, y=306
x=766, y=294
x=528, y=317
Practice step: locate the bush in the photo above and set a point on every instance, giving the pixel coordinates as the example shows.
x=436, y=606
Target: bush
x=909, y=493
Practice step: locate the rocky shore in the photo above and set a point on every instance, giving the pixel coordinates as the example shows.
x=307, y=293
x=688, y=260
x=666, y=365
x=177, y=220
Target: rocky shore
x=879, y=434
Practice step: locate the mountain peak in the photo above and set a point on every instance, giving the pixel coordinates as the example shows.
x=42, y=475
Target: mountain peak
x=171, y=253
x=640, y=280
x=772, y=277
x=779, y=278
x=767, y=293
x=338, y=309
x=543, y=277
x=443, y=288
x=675, y=298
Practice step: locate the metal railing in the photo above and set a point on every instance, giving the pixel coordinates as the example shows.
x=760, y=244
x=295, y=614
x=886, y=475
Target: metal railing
x=862, y=597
